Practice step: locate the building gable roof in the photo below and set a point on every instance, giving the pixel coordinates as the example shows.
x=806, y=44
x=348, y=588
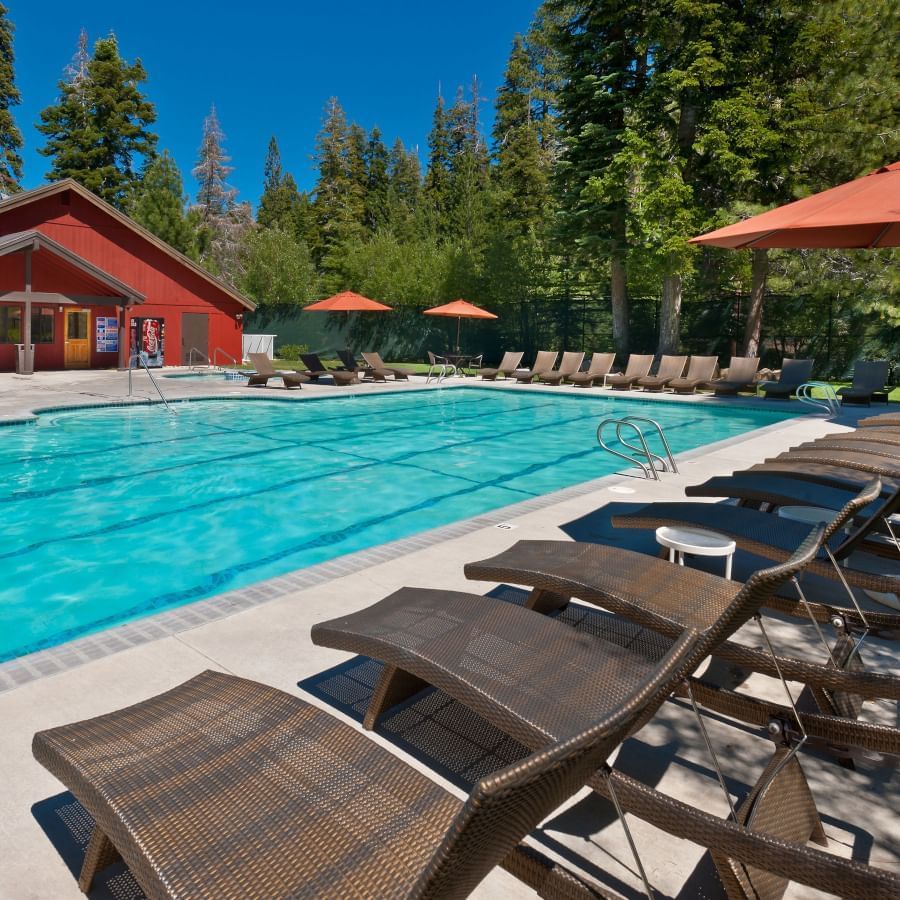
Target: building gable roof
x=69, y=184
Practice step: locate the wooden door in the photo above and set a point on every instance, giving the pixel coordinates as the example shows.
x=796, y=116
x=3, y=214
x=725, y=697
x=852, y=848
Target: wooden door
x=194, y=335
x=77, y=338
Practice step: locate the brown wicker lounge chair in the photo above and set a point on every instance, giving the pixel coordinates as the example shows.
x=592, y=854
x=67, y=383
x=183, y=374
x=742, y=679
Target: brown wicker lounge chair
x=508, y=365
x=869, y=383
x=226, y=788
x=794, y=372
x=598, y=368
x=543, y=362
x=470, y=647
x=377, y=364
x=701, y=370
x=740, y=376
x=316, y=369
x=349, y=363
x=849, y=459
x=569, y=365
x=638, y=366
x=886, y=420
x=265, y=370
x=670, y=368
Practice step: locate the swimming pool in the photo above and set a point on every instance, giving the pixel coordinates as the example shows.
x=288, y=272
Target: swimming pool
x=114, y=513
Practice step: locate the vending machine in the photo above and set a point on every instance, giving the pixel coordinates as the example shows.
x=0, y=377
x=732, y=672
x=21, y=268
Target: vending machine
x=148, y=340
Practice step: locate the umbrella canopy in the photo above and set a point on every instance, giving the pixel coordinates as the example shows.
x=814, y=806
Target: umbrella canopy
x=460, y=309
x=859, y=214
x=347, y=301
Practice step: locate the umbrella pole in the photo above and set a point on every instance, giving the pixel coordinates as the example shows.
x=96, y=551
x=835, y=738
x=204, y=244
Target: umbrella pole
x=458, y=323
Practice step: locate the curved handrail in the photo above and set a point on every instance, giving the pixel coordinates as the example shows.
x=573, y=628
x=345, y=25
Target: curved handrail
x=829, y=403
x=142, y=362
x=648, y=469
x=200, y=353
x=224, y=353
x=662, y=437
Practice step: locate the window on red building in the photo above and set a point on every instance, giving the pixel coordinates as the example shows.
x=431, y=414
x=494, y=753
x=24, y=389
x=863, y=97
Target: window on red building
x=11, y=325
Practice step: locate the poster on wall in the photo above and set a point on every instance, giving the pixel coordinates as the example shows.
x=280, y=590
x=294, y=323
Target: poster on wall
x=107, y=330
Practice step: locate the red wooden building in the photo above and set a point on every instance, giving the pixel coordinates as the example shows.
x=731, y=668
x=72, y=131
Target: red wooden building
x=88, y=286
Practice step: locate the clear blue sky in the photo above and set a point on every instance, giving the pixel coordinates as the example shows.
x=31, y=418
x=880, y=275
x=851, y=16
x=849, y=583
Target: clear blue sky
x=270, y=67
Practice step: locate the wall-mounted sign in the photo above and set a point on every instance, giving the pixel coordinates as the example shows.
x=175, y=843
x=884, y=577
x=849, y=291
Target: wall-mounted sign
x=107, y=328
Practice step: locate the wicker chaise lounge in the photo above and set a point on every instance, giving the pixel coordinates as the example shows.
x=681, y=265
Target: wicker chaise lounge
x=225, y=788
x=377, y=364
x=316, y=369
x=740, y=377
x=885, y=420
x=349, y=363
x=569, y=365
x=670, y=368
x=869, y=383
x=598, y=368
x=637, y=367
x=701, y=370
x=469, y=647
x=508, y=365
x=265, y=370
x=543, y=362
x=794, y=372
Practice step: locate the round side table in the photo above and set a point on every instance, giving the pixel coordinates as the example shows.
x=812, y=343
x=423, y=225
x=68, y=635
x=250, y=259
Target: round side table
x=696, y=541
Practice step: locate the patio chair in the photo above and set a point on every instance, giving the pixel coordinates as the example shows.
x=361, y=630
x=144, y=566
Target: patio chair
x=510, y=362
x=701, y=370
x=569, y=365
x=598, y=368
x=543, y=362
x=637, y=367
x=885, y=420
x=377, y=364
x=670, y=367
x=265, y=370
x=794, y=372
x=740, y=376
x=227, y=788
x=316, y=369
x=350, y=364
x=532, y=681
x=439, y=367
x=869, y=383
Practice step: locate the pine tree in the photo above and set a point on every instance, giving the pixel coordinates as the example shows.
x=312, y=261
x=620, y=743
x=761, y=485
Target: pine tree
x=334, y=213
x=215, y=197
x=378, y=183
x=437, y=177
x=357, y=171
x=10, y=136
x=98, y=131
x=281, y=203
x=160, y=203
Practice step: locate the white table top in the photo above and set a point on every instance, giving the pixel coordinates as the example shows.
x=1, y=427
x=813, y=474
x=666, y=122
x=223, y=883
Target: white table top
x=810, y=515
x=698, y=541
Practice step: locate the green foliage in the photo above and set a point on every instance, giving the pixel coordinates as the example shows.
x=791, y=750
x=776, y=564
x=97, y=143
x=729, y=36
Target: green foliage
x=277, y=269
x=10, y=136
x=291, y=351
x=98, y=131
x=159, y=206
x=282, y=205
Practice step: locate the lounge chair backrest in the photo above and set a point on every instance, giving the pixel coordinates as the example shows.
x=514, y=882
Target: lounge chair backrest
x=544, y=361
x=601, y=363
x=348, y=360
x=887, y=507
x=702, y=368
x=374, y=360
x=671, y=366
x=506, y=805
x=261, y=363
x=312, y=362
x=510, y=361
x=571, y=363
x=742, y=369
x=638, y=366
x=870, y=375
x=796, y=371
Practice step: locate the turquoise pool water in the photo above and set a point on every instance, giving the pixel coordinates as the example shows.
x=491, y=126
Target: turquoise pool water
x=111, y=514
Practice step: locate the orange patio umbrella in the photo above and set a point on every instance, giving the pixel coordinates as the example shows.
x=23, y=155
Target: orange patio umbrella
x=460, y=309
x=864, y=213
x=347, y=301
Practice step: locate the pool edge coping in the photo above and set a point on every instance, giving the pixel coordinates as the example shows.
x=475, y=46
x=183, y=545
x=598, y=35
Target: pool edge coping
x=79, y=651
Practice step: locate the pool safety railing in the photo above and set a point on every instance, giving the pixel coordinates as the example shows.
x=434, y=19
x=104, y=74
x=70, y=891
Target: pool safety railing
x=142, y=363
x=640, y=454
x=827, y=401
x=196, y=351
x=215, y=358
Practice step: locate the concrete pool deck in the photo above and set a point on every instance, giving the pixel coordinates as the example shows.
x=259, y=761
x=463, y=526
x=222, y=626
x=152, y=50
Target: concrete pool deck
x=262, y=632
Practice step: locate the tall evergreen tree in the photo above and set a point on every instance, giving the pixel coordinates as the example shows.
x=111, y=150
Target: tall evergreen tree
x=98, y=132
x=357, y=172
x=10, y=136
x=215, y=197
x=437, y=176
x=160, y=203
x=280, y=205
x=378, y=183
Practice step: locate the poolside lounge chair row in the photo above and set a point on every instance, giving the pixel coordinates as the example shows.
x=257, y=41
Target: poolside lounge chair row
x=304, y=805
x=373, y=369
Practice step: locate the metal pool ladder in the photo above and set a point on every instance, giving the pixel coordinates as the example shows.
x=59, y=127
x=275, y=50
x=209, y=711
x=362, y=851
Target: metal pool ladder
x=828, y=401
x=136, y=357
x=642, y=451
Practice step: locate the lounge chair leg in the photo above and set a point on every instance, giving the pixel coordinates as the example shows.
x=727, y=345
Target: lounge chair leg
x=545, y=601
x=393, y=687
x=100, y=853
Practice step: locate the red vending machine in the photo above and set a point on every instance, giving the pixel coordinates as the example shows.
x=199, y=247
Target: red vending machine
x=148, y=339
